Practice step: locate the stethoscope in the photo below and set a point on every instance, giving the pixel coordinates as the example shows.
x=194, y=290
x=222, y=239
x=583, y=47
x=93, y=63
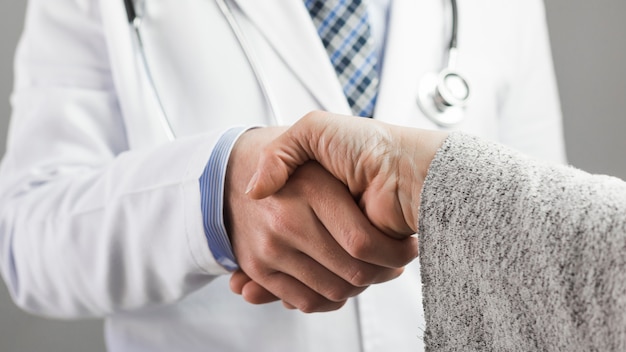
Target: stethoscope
x=442, y=96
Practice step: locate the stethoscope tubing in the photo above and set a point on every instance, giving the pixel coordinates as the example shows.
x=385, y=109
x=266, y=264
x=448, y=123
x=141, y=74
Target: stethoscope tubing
x=135, y=22
x=268, y=95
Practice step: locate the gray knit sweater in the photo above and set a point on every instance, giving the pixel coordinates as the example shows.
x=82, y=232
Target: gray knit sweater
x=520, y=256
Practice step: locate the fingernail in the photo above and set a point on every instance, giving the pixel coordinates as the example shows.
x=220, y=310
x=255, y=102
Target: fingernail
x=252, y=182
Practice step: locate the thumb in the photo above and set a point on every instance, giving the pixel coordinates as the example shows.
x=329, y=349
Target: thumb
x=276, y=163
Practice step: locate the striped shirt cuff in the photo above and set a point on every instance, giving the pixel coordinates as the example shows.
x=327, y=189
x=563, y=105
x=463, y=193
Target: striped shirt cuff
x=212, y=203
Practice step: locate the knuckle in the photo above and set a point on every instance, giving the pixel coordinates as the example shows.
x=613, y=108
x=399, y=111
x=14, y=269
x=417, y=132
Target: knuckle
x=358, y=245
x=260, y=262
x=312, y=305
x=320, y=305
x=281, y=222
x=276, y=221
x=360, y=277
x=327, y=306
x=364, y=275
x=336, y=295
x=340, y=294
x=254, y=268
x=270, y=249
x=388, y=274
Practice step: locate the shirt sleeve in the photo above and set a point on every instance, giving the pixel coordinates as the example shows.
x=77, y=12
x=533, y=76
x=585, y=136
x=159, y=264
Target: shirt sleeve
x=212, y=199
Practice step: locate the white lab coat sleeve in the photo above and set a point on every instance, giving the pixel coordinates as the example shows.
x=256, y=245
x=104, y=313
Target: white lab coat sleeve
x=530, y=113
x=87, y=226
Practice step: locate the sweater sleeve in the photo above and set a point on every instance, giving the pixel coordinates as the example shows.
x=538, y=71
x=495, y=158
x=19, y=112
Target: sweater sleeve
x=520, y=256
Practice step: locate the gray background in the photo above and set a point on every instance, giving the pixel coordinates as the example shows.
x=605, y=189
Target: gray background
x=589, y=46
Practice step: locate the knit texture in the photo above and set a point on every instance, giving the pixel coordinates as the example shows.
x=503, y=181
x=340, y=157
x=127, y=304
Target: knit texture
x=520, y=256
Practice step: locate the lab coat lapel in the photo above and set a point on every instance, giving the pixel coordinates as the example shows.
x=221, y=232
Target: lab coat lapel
x=414, y=47
x=288, y=27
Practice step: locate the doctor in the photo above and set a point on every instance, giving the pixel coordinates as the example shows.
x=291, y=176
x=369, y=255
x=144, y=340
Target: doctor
x=103, y=215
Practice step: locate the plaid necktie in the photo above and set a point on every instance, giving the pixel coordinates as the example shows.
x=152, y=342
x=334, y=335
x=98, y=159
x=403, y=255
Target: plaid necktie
x=343, y=26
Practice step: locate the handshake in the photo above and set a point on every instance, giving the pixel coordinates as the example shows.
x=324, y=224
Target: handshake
x=513, y=249
x=318, y=212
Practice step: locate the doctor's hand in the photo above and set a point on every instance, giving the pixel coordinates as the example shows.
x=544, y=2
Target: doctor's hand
x=384, y=166
x=308, y=244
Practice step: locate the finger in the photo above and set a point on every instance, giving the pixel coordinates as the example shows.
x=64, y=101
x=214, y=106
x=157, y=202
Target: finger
x=282, y=156
x=288, y=259
x=321, y=255
x=288, y=306
x=294, y=293
x=318, y=278
x=336, y=209
x=254, y=293
x=316, y=242
x=325, y=253
x=276, y=163
x=238, y=280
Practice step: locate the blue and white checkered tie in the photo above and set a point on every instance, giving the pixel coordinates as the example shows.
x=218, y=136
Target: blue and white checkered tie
x=343, y=26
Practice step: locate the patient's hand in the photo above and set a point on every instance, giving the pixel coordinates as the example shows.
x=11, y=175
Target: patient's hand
x=384, y=166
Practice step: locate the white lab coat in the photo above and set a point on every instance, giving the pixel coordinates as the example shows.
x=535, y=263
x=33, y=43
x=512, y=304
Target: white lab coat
x=100, y=213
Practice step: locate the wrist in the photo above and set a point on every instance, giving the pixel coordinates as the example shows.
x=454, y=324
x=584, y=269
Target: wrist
x=241, y=165
x=418, y=149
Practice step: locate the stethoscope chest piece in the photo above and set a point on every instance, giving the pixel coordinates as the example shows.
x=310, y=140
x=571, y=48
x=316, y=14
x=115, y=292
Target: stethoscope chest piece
x=442, y=97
